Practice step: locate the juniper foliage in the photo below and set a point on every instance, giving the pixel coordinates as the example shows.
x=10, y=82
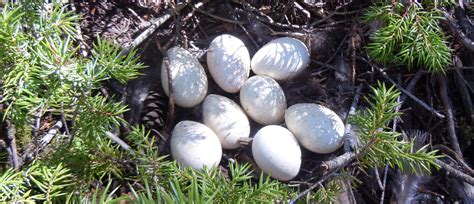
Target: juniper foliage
x=410, y=35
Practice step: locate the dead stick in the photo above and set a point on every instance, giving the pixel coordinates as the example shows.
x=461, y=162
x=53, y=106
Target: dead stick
x=314, y=186
x=456, y=173
x=52, y=132
x=456, y=157
x=9, y=130
x=411, y=85
x=462, y=38
x=413, y=97
x=119, y=141
x=348, y=127
x=443, y=89
x=155, y=24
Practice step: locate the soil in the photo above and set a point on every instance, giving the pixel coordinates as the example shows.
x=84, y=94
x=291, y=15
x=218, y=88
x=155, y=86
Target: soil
x=336, y=37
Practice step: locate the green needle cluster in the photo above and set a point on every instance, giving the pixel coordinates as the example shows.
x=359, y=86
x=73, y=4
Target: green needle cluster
x=410, y=36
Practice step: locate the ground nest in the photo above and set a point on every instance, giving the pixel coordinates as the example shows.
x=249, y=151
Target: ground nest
x=339, y=72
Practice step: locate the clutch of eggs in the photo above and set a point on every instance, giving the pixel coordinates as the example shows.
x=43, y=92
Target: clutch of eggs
x=275, y=149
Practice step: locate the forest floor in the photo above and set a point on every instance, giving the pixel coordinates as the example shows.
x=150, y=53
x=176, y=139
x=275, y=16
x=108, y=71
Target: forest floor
x=437, y=106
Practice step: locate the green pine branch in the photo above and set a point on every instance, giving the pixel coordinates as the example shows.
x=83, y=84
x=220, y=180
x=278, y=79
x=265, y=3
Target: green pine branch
x=383, y=145
x=410, y=36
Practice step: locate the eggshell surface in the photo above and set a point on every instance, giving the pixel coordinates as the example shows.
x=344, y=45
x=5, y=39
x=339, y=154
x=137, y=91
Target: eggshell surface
x=195, y=145
x=226, y=119
x=228, y=60
x=263, y=100
x=316, y=127
x=189, y=80
x=281, y=59
x=277, y=152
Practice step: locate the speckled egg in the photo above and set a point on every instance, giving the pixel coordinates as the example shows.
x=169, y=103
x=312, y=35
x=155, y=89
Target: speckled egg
x=228, y=61
x=189, y=80
x=281, y=59
x=317, y=128
x=195, y=145
x=263, y=100
x=277, y=152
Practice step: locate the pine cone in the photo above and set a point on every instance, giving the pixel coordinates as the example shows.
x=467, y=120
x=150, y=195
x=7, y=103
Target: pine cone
x=154, y=110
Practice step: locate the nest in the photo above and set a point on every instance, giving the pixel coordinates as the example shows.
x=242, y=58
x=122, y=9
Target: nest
x=330, y=30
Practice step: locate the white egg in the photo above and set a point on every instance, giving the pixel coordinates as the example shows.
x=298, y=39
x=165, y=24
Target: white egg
x=228, y=61
x=188, y=77
x=195, y=145
x=226, y=119
x=263, y=100
x=281, y=59
x=316, y=127
x=277, y=152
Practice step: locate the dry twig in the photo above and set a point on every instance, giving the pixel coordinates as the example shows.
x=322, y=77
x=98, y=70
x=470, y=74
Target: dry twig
x=413, y=97
x=153, y=25
x=443, y=89
x=462, y=38
x=456, y=173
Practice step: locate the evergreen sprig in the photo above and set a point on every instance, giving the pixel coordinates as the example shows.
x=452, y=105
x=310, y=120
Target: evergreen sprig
x=410, y=36
x=383, y=145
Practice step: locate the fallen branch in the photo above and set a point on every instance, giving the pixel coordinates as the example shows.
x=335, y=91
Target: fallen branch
x=348, y=132
x=457, y=158
x=456, y=31
x=456, y=173
x=154, y=24
x=413, y=97
x=411, y=85
x=443, y=89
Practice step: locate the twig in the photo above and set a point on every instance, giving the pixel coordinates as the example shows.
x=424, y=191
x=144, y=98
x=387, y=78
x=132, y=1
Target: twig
x=119, y=141
x=33, y=149
x=216, y=17
x=154, y=24
x=464, y=89
x=377, y=176
x=314, y=186
x=348, y=127
x=443, y=89
x=170, y=93
x=456, y=156
x=456, y=173
x=303, y=10
x=384, y=184
x=413, y=97
x=53, y=131
x=411, y=85
x=9, y=130
x=462, y=38
x=250, y=10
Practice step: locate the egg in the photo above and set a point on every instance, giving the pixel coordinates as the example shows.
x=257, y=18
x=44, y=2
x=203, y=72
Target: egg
x=226, y=119
x=316, y=127
x=281, y=59
x=195, y=145
x=228, y=61
x=276, y=152
x=263, y=100
x=189, y=80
